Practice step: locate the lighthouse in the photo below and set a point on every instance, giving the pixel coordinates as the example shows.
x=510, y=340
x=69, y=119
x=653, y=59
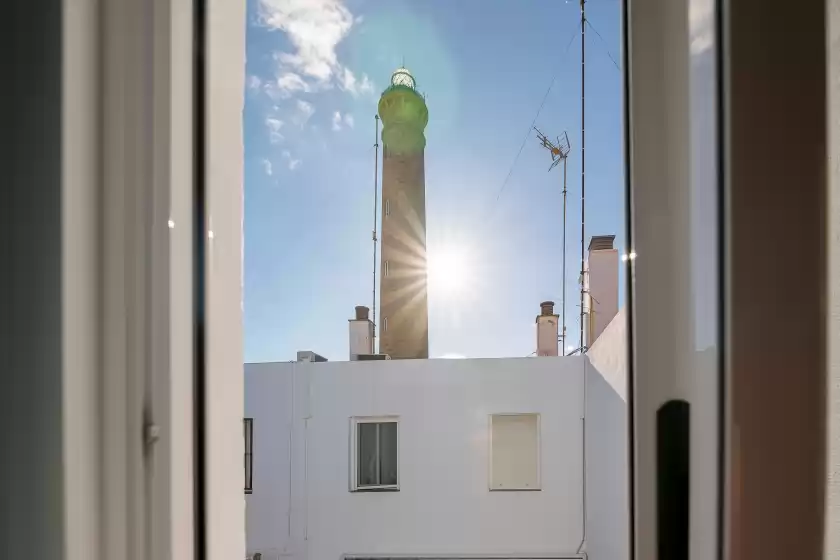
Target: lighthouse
x=404, y=314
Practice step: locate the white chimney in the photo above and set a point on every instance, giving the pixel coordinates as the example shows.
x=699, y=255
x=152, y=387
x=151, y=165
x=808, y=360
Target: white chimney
x=547, y=330
x=601, y=285
x=361, y=333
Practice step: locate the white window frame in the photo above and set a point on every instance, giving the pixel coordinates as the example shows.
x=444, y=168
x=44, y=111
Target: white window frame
x=384, y=324
x=354, y=453
x=538, y=485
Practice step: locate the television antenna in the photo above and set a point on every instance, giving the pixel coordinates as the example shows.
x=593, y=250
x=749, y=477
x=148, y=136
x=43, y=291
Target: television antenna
x=559, y=151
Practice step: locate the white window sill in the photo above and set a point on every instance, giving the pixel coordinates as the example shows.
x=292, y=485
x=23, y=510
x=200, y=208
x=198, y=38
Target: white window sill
x=376, y=489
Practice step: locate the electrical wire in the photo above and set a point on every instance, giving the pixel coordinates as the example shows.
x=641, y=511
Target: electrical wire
x=606, y=47
x=539, y=110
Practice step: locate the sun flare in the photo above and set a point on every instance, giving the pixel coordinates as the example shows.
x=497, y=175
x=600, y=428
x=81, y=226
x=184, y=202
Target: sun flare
x=449, y=272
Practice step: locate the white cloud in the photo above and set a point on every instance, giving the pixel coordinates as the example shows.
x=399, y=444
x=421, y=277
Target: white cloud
x=291, y=162
x=285, y=85
x=274, y=126
x=336, y=121
x=291, y=82
x=267, y=167
x=254, y=82
x=304, y=110
x=349, y=120
x=314, y=28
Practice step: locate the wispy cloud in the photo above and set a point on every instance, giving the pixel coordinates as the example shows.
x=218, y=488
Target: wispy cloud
x=267, y=167
x=338, y=121
x=303, y=112
x=254, y=82
x=314, y=28
x=291, y=162
x=274, y=126
x=347, y=81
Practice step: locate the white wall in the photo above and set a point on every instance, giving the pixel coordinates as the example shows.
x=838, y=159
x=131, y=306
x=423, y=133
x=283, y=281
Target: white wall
x=607, y=475
x=443, y=506
x=609, y=353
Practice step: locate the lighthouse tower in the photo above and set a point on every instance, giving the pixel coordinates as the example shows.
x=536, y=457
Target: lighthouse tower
x=404, y=319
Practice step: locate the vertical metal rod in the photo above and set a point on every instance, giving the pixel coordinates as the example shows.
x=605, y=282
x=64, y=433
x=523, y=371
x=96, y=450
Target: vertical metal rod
x=563, y=304
x=375, y=217
x=582, y=167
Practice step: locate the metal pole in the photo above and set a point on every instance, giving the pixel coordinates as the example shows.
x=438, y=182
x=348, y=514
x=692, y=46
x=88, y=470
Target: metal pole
x=375, y=218
x=582, y=166
x=563, y=335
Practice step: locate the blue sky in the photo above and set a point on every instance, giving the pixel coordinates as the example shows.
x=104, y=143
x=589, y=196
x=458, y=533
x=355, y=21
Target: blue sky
x=315, y=69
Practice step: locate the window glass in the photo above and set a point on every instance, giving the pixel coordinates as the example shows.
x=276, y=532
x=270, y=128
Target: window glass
x=366, y=450
x=388, y=453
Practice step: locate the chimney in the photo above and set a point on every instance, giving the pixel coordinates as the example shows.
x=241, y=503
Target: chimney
x=361, y=333
x=547, y=330
x=601, y=286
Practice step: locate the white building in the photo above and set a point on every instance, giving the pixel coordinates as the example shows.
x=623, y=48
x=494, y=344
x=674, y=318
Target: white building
x=494, y=458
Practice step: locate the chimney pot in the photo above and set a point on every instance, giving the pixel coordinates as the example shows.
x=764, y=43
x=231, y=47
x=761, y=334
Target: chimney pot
x=547, y=308
x=362, y=313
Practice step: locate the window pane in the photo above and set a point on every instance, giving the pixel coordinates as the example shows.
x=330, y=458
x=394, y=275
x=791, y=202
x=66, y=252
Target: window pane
x=366, y=449
x=388, y=453
x=249, y=431
x=248, y=479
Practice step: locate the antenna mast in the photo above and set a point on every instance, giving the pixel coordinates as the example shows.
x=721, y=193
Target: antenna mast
x=375, y=218
x=559, y=152
x=582, y=167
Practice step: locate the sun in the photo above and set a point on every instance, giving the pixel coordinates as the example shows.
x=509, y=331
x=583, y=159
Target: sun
x=449, y=271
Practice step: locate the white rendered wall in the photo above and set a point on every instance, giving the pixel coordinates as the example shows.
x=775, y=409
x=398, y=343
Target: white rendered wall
x=301, y=508
x=607, y=475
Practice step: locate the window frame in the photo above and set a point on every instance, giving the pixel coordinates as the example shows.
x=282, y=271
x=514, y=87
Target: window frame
x=387, y=207
x=538, y=486
x=354, y=453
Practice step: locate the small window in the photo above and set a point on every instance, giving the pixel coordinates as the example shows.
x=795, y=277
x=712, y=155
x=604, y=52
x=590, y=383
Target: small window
x=385, y=323
x=249, y=455
x=387, y=207
x=515, y=452
x=375, y=454
x=386, y=268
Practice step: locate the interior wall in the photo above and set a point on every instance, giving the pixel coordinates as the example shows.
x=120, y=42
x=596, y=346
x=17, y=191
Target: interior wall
x=225, y=93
